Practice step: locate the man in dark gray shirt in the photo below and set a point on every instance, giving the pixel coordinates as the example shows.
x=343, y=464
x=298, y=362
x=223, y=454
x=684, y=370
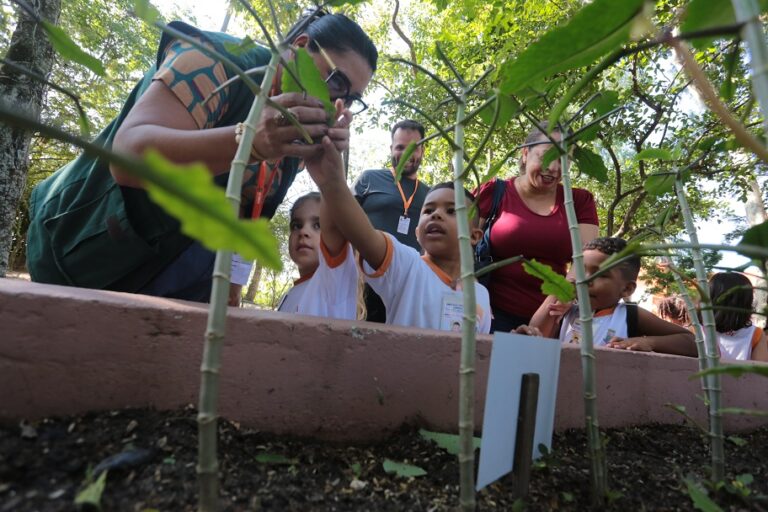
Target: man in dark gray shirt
x=394, y=207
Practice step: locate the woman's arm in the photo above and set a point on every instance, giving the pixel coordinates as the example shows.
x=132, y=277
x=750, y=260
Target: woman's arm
x=159, y=120
x=588, y=232
x=760, y=352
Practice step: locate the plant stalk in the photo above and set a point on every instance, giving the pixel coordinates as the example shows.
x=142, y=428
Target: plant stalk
x=596, y=452
x=710, y=338
x=208, y=465
x=748, y=12
x=468, y=340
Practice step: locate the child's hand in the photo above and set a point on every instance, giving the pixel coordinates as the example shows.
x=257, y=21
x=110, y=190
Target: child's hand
x=527, y=330
x=642, y=344
x=326, y=166
x=559, y=309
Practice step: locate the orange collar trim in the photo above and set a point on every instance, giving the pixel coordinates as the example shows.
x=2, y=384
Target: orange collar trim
x=303, y=279
x=439, y=272
x=604, y=312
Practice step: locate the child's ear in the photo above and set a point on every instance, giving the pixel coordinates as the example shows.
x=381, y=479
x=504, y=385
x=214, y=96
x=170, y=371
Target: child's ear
x=475, y=235
x=629, y=289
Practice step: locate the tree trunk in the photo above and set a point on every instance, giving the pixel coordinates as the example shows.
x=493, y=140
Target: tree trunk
x=29, y=48
x=755, y=209
x=253, y=285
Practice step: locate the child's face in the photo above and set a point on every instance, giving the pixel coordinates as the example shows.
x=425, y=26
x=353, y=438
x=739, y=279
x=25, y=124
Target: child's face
x=606, y=289
x=304, y=239
x=436, y=232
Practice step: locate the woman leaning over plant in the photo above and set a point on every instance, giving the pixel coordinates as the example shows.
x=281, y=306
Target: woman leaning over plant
x=531, y=221
x=94, y=226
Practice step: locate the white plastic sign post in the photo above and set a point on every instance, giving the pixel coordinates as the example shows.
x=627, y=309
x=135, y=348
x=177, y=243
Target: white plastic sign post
x=512, y=356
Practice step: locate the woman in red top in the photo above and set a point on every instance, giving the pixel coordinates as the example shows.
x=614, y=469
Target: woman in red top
x=531, y=221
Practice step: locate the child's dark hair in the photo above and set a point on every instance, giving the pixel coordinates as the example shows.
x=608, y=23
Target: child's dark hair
x=303, y=199
x=449, y=184
x=673, y=309
x=408, y=124
x=630, y=268
x=335, y=32
x=731, y=290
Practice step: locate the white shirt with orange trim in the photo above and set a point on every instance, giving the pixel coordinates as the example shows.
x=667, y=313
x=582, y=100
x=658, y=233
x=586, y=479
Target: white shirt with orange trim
x=331, y=291
x=605, y=325
x=417, y=293
x=739, y=344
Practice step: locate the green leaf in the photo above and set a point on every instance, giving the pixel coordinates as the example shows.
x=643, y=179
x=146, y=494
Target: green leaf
x=205, y=213
x=703, y=14
x=274, y=458
x=590, y=164
x=756, y=235
x=509, y=107
x=598, y=28
x=68, y=49
x=356, y=469
x=241, y=47
x=658, y=184
x=549, y=156
x=552, y=282
x=664, y=216
x=91, y=495
x=727, y=88
x=312, y=81
x=146, y=11
x=403, y=470
x=738, y=441
x=699, y=498
x=654, y=154
x=448, y=442
x=409, y=149
x=607, y=101
x=734, y=370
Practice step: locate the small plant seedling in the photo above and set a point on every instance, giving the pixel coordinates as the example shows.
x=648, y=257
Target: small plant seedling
x=92, y=491
x=448, y=442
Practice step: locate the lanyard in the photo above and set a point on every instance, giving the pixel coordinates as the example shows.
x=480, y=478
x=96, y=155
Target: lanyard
x=406, y=203
x=262, y=187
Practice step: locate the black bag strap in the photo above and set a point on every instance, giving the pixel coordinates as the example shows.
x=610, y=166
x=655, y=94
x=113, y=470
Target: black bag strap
x=632, y=321
x=499, y=187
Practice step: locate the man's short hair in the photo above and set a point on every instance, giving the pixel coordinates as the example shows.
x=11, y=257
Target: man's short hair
x=630, y=268
x=408, y=124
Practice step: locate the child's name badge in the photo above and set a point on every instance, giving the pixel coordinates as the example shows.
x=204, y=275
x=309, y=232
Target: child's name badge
x=403, y=224
x=452, y=312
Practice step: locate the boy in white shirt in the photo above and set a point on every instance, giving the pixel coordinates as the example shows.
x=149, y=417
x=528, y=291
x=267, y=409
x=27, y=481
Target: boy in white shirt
x=614, y=324
x=418, y=291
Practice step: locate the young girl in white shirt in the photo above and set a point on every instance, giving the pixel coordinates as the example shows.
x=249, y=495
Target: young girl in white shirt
x=731, y=295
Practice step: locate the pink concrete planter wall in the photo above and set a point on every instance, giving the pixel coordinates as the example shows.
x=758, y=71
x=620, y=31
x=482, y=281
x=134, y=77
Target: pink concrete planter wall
x=69, y=350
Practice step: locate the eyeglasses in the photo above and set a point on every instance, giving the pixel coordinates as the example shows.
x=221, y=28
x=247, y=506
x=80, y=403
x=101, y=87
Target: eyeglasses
x=339, y=86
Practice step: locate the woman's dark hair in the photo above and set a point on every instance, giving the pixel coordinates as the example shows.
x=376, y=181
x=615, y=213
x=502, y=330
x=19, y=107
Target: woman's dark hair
x=533, y=136
x=335, y=32
x=731, y=290
x=303, y=199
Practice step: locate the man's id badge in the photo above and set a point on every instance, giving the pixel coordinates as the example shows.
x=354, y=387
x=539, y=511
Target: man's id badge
x=403, y=224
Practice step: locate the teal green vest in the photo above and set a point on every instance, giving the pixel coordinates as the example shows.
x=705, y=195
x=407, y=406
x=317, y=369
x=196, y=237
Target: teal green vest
x=87, y=231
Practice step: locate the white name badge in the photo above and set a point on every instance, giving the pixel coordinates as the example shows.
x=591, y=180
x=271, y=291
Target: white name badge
x=403, y=224
x=452, y=313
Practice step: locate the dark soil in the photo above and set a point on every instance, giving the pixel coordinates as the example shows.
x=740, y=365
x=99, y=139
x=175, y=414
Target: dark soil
x=42, y=467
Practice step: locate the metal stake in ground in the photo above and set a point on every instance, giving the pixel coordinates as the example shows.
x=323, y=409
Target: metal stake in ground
x=526, y=427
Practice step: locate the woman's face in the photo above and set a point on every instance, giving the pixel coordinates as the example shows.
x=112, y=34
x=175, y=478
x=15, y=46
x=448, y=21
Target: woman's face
x=537, y=177
x=351, y=71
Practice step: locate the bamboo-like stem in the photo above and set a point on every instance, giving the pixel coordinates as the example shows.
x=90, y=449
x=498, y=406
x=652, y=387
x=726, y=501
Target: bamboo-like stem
x=698, y=330
x=443, y=57
x=208, y=466
x=468, y=340
x=748, y=12
x=710, y=337
x=486, y=138
x=596, y=452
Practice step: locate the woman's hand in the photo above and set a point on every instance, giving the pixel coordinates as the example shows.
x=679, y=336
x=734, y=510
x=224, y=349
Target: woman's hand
x=276, y=137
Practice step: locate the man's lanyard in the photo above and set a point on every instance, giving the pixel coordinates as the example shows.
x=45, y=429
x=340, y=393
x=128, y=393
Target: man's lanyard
x=406, y=203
